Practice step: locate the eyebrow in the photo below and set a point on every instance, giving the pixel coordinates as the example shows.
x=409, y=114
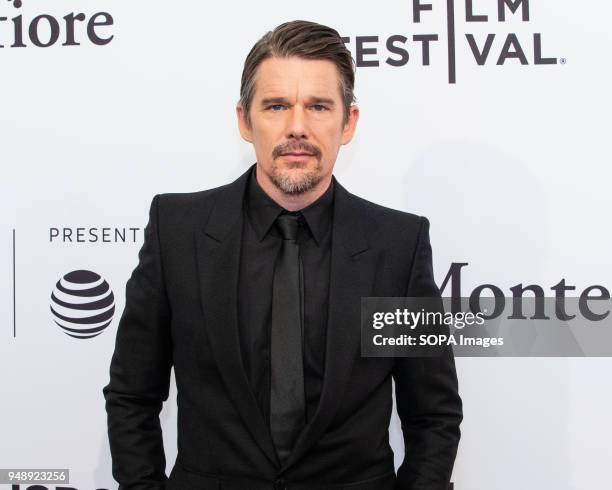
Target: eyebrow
x=281, y=100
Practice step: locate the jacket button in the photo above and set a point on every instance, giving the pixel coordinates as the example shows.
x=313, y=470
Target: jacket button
x=279, y=484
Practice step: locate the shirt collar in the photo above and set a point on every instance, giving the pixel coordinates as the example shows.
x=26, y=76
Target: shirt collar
x=262, y=210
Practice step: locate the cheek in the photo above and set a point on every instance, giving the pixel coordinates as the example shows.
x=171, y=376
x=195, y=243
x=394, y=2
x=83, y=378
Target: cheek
x=267, y=133
x=262, y=140
x=332, y=139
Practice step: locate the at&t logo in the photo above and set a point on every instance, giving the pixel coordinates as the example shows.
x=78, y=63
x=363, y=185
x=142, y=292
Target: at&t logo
x=82, y=304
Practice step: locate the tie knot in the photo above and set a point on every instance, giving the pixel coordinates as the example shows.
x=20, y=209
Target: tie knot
x=288, y=225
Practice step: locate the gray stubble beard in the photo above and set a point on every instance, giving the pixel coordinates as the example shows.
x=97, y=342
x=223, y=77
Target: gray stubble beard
x=288, y=185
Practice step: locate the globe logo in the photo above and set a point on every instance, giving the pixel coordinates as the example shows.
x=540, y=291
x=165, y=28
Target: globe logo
x=82, y=304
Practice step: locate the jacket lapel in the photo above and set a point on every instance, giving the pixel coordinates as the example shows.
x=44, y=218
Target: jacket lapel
x=218, y=248
x=352, y=276
x=353, y=264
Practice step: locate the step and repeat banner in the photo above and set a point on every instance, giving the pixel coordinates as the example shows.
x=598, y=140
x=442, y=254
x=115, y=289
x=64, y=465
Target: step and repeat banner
x=489, y=117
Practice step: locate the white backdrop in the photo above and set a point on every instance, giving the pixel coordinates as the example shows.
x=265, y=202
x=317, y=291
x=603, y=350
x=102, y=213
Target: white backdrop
x=510, y=164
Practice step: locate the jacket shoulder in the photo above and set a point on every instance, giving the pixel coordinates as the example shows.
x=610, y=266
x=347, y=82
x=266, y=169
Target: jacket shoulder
x=180, y=209
x=379, y=216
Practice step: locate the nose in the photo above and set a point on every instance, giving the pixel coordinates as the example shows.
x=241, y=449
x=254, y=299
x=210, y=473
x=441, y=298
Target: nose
x=297, y=124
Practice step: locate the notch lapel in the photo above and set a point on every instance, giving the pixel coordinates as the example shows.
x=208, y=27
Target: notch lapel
x=218, y=248
x=352, y=272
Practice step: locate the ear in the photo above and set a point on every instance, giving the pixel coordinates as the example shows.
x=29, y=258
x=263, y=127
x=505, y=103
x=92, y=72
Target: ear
x=243, y=124
x=351, y=124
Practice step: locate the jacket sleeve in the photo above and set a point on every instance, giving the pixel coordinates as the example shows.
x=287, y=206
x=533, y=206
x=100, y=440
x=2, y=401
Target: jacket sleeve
x=426, y=393
x=140, y=371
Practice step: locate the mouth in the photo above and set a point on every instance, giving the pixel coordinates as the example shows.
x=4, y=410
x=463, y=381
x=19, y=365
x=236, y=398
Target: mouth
x=296, y=154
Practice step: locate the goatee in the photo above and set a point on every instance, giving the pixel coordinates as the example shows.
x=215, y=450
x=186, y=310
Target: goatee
x=292, y=185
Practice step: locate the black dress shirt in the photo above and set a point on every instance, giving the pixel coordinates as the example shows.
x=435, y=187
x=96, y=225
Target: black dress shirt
x=260, y=247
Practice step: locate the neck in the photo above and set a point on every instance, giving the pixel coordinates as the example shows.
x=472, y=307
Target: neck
x=292, y=202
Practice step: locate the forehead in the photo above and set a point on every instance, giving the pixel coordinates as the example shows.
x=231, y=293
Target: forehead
x=297, y=76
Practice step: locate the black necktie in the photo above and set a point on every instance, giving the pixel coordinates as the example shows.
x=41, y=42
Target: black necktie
x=287, y=405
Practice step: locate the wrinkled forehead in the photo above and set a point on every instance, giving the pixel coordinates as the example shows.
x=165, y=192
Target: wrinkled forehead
x=297, y=78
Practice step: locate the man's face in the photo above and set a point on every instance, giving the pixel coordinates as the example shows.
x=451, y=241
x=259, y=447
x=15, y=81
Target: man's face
x=296, y=122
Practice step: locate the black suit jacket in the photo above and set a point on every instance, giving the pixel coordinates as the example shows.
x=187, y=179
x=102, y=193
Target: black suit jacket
x=181, y=311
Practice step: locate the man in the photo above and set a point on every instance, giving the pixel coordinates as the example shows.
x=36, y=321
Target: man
x=252, y=292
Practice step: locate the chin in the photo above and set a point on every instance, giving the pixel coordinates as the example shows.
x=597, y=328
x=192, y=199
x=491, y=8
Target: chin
x=296, y=165
x=296, y=181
